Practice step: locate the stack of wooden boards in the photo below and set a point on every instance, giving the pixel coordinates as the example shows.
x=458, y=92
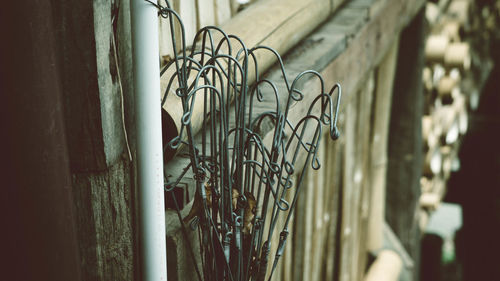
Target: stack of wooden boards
x=457, y=65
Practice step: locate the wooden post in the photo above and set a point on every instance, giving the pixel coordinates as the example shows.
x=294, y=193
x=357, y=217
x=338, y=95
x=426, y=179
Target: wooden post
x=347, y=239
x=334, y=205
x=96, y=79
x=383, y=99
x=405, y=140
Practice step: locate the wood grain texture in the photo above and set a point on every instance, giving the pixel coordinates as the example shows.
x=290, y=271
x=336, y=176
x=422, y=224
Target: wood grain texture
x=102, y=179
x=222, y=11
x=164, y=37
x=104, y=223
x=79, y=67
x=351, y=61
x=334, y=206
x=205, y=10
x=380, y=133
x=364, y=133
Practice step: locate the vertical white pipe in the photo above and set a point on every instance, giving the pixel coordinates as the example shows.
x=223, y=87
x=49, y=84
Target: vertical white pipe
x=144, y=18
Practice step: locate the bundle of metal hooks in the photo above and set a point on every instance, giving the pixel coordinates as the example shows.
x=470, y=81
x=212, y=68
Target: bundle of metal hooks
x=245, y=181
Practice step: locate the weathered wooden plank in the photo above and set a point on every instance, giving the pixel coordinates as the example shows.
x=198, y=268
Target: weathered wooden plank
x=309, y=185
x=104, y=223
x=187, y=12
x=373, y=6
x=364, y=167
x=319, y=222
x=347, y=236
x=287, y=269
x=358, y=206
x=164, y=37
x=370, y=40
x=205, y=10
x=108, y=78
x=97, y=82
x=383, y=99
x=222, y=11
x=334, y=204
x=299, y=237
x=350, y=20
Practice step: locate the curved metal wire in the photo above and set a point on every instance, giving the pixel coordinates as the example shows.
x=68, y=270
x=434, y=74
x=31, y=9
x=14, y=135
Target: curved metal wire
x=246, y=178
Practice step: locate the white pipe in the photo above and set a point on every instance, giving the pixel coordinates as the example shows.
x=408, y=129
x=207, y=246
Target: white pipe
x=152, y=236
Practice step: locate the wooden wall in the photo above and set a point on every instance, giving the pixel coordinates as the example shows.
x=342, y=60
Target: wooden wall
x=94, y=55
x=340, y=215
x=96, y=80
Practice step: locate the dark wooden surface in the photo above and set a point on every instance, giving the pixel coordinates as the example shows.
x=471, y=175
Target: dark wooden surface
x=102, y=174
x=82, y=107
x=405, y=139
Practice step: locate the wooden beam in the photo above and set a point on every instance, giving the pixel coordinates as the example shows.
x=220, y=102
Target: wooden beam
x=82, y=109
x=93, y=74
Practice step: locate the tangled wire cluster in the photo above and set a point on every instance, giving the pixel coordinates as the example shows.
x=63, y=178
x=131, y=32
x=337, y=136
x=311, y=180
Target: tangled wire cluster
x=247, y=180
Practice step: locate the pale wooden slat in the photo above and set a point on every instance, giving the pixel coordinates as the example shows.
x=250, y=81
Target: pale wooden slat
x=165, y=39
x=361, y=177
x=299, y=237
x=187, y=12
x=383, y=98
x=349, y=191
x=206, y=13
x=318, y=220
x=309, y=193
x=336, y=169
x=288, y=254
x=222, y=11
